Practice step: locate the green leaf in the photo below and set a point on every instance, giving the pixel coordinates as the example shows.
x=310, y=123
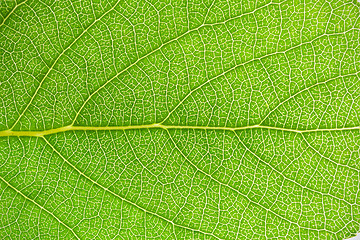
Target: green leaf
x=179, y=119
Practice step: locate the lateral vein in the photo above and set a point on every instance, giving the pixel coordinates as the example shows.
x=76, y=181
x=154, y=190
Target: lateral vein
x=39, y=206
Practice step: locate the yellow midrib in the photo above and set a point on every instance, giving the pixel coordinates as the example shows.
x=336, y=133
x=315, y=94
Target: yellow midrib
x=9, y=133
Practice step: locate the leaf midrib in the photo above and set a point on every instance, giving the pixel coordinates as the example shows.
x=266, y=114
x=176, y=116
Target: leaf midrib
x=69, y=128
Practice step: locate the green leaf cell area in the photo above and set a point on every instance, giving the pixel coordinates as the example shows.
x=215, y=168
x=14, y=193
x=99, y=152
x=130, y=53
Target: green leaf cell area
x=179, y=119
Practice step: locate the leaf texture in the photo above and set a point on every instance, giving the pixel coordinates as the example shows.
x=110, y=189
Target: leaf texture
x=179, y=119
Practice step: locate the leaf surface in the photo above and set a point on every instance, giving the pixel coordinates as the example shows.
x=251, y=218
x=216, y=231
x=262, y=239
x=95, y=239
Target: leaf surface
x=179, y=119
